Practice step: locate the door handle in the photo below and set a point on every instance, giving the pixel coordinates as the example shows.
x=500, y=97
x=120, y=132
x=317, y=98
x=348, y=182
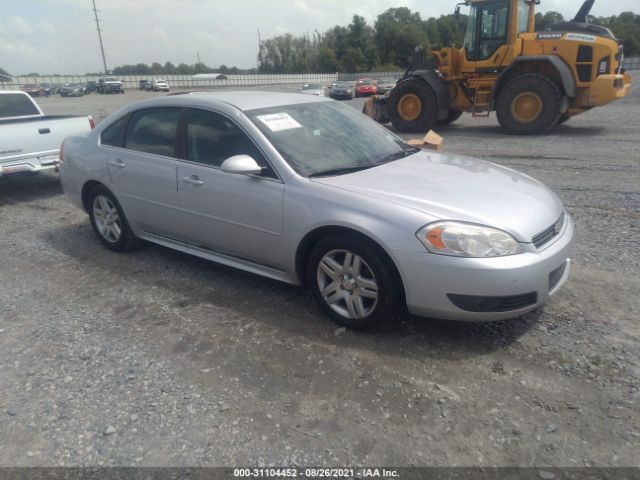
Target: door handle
x=193, y=180
x=117, y=163
x=43, y=131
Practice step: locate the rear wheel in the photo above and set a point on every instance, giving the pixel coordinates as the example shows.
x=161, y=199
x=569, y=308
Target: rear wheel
x=108, y=220
x=564, y=118
x=352, y=282
x=412, y=107
x=529, y=105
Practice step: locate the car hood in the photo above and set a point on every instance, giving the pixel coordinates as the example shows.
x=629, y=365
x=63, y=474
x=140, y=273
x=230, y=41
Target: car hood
x=451, y=187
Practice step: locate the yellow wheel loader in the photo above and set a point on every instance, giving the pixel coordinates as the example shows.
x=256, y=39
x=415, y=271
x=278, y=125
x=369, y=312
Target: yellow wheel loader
x=532, y=80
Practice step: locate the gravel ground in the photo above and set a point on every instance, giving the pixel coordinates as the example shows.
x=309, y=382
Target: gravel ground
x=157, y=358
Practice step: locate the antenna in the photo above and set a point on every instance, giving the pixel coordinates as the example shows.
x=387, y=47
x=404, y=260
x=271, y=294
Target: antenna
x=104, y=60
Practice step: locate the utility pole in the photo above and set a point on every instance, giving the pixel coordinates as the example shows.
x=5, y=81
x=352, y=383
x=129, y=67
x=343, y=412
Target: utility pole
x=104, y=60
x=198, y=55
x=259, y=51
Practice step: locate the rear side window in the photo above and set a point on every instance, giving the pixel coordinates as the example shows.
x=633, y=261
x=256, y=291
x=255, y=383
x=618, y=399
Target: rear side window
x=153, y=131
x=112, y=135
x=16, y=105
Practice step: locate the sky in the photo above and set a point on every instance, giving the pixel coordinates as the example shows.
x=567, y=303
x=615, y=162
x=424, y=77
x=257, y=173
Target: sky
x=59, y=36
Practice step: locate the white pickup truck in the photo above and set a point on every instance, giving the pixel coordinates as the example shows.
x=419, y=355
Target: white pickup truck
x=30, y=140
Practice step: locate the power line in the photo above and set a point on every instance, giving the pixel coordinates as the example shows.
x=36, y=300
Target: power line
x=104, y=60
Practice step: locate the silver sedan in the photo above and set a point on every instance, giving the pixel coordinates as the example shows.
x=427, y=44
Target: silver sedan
x=308, y=191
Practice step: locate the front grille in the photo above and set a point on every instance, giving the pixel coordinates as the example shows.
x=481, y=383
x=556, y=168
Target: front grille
x=584, y=72
x=585, y=54
x=549, y=234
x=476, y=304
x=556, y=276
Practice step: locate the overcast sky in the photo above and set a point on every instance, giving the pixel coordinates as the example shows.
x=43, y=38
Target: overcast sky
x=59, y=36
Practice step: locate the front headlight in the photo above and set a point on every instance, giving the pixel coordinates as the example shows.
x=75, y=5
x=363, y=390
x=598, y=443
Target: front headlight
x=467, y=240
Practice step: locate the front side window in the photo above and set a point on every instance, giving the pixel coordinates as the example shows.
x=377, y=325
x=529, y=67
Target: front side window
x=212, y=138
x=153, y=131
x=486, y=30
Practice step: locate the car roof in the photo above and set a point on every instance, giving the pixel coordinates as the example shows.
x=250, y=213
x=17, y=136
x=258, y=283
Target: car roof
x=242, y=100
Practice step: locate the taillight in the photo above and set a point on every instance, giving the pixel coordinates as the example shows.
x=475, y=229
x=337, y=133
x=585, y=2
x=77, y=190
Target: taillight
x=92, y=124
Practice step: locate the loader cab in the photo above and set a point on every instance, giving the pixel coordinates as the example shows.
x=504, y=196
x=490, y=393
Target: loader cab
x=493, y=26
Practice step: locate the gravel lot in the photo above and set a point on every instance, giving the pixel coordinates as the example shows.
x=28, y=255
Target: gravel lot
x=157, y=358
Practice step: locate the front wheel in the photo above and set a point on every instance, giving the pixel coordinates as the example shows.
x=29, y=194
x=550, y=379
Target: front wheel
x=412, y=107
x=352, y=282
x=529, y=105
x=452, y=116
x=108, y=220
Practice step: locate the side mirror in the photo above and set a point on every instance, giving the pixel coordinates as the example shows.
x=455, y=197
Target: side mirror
x=241, y=165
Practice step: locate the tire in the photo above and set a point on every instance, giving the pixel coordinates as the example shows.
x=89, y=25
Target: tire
x=118, y=239
x=529, y=105
x=564, y=118
x=359, y=307
x=418, y=102
x=451, y=117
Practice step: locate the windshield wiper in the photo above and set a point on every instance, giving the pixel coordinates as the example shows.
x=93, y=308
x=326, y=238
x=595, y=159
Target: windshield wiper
x=398, y=155
x=342, y=170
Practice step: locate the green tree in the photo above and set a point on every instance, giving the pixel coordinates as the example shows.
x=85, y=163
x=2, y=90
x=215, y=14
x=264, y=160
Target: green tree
x=327, y=60
x=548, y=19
x=397, y=32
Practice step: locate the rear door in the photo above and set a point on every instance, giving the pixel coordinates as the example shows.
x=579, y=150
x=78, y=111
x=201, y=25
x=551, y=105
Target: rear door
x=239, y=215
x=142, y=167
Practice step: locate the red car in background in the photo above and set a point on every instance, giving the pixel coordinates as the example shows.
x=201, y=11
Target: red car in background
x=33, y=89
x=366, y=86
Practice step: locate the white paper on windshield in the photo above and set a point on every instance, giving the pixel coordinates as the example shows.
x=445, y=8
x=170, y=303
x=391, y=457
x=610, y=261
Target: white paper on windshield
x=276, y=122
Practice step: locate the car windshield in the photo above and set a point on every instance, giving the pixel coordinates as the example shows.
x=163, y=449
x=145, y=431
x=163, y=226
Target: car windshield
x=342, y=85
x=312, y=86
x=110, y=79
x=365, y=82
x=327, y=138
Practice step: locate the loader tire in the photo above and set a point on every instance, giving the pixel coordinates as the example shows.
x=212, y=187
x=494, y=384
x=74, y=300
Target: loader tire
x=412, y=107
x=451, y=117
x=529, y=105
x=564, y=118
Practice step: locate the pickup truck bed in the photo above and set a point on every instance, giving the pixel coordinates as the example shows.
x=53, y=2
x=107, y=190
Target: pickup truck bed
x=31, y=143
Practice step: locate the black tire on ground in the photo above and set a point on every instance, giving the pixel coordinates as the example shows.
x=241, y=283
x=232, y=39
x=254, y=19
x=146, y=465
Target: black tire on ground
x=374, y=266
x=451, y=117
x=539, y=99
x=564, y=118
x=126, y=239
x=420, y=119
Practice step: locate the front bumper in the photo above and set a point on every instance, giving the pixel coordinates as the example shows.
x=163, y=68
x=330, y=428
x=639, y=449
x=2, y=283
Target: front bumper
x=606, y=89
x=431, y=280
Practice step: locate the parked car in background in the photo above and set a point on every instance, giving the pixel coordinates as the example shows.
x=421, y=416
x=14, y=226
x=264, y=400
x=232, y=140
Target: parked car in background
x=33, y=89
x=366, y=86
x=341, y=90
x=110, y=85
x=312, y=89
x=72, y=90
x=48, y=89
x=160, y=85
x=309, y=191
x=386, y=84
x=30, y=140
x=142, y=84
x=91, y=86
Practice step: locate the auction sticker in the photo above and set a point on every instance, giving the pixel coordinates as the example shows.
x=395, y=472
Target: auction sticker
x=276, y=122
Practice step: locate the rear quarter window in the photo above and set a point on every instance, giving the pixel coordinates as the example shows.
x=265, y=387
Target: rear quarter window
x=113, y=134
x=16, y=105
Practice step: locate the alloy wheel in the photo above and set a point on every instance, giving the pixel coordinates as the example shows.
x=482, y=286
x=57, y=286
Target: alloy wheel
x=107, y=218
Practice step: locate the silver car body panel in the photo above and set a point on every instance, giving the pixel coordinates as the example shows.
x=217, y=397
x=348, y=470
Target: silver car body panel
x=257, y=224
